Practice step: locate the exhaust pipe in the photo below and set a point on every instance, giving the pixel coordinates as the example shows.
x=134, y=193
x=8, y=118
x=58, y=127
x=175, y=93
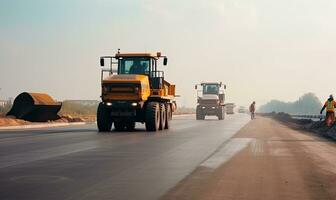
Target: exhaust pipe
x=35, y=107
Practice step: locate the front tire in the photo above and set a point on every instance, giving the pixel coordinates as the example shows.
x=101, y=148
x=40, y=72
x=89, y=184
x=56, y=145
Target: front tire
x=199, y=114
x=221, y=113
x=163, y=116
x=104, y=119
x=119, y=125
x=168, y=116
x=152, y=116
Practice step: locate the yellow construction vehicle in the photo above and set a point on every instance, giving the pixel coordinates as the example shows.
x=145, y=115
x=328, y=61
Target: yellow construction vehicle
x=134, y=90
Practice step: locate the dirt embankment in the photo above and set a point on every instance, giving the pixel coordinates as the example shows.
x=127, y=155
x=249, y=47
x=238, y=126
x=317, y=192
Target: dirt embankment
x=12, y=121
x=317, y=127
x=280, y=163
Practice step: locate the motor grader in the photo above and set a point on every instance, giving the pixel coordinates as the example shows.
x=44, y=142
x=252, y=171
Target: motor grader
x=210, y=100
x=134, y=90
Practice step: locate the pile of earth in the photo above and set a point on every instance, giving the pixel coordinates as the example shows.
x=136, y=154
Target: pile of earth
x=77, y=118
x=321, y=128
x=285, y=117
x=12, y=121
x=318, y=127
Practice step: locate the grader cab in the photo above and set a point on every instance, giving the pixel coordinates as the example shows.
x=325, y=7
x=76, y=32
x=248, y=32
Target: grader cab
x=134, y=90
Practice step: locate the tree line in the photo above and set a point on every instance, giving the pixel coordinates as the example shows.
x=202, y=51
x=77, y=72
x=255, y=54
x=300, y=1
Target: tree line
x=306, y=104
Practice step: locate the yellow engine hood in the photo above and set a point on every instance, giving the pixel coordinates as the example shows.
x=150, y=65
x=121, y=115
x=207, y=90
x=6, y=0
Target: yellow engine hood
x=126, y=78
x=141, y=95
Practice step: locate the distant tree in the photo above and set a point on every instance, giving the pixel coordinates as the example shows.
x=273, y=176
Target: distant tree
x=306, y=104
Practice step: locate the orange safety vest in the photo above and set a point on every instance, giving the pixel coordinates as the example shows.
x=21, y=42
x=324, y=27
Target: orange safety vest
x=330, y=105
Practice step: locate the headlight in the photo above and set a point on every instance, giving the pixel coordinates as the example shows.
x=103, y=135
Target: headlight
x=134, y=104
x=109, y=104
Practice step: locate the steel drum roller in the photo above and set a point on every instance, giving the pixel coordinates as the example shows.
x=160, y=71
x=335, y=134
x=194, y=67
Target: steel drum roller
x=35, y=107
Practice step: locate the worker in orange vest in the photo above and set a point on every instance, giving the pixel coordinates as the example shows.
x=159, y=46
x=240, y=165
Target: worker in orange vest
x=329, y=105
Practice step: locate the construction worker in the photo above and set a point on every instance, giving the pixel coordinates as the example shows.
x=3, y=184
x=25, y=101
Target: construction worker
x=135, y=68
x=138, y=68
x=252, y=110
x=329, y=105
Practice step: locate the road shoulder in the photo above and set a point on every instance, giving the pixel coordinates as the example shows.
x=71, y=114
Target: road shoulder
x=278, y=163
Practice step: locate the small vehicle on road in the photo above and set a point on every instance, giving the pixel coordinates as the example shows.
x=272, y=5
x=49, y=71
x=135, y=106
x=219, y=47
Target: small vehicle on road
x=242, y=109
x=210, y=100
x=229, y=107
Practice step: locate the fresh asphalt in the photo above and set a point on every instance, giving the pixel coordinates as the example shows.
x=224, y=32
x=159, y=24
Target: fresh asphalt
x=76, y=162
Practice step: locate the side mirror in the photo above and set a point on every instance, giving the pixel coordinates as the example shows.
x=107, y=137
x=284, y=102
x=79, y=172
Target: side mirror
x=165, y=61
x=220, y=84
x=102, y=63
x=195, y=87
x=224, y=86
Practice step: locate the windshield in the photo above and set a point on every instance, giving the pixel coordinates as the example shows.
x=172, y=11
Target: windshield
x=134, y=65
x=211, y=89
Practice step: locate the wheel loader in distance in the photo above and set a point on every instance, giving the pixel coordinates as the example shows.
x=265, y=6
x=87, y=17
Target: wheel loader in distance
x=134, y=90
x=210, y=100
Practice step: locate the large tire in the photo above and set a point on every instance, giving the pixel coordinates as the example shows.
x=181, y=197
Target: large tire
x=168, y=116
x=130, y=126
x=119, y=125
x=152, y=116
x=163, y=116
x=224, y=112
x=104, y=119
x=221, y=113
x=199, y=114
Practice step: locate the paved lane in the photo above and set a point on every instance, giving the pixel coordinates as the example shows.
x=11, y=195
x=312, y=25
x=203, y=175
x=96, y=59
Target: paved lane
x=78, y=163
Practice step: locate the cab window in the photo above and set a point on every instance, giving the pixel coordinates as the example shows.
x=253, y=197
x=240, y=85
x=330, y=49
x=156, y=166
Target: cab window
x=211, y=89
x=134, y=65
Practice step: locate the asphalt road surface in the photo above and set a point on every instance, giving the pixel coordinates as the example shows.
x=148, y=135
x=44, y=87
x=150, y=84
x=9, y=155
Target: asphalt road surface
x=79, y=163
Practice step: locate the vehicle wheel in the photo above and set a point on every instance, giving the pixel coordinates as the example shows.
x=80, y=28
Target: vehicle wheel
x=221, y=113
x=152, y=116
x=162, y=116
x=130, y=126
x=168, y=116
x=104, y=120
x=199, y=114
x=224, y=112
x=119, y=125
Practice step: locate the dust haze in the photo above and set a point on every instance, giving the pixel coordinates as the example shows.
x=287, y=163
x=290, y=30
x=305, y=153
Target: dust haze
x=261, y=49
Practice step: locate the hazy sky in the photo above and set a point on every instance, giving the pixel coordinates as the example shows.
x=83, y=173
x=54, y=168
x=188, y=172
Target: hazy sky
x=262, y=49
